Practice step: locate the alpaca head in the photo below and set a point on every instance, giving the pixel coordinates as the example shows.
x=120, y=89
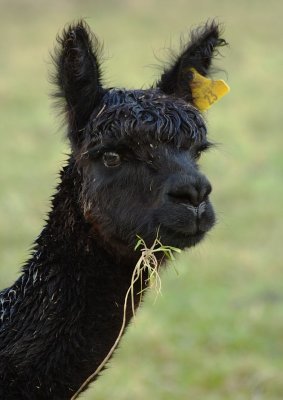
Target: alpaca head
x=137, y=150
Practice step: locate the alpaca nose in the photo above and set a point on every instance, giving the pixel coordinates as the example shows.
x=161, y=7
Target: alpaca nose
x=190, y=193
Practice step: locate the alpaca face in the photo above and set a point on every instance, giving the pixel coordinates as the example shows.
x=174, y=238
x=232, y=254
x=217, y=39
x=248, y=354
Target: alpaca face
x=138, y=150
x=140, y=170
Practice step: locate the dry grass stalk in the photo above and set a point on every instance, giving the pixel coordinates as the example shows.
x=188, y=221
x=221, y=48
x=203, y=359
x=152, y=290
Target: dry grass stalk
x=148, y=264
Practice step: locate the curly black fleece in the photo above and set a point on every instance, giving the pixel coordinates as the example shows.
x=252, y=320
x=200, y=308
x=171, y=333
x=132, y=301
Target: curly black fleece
x=63, y=314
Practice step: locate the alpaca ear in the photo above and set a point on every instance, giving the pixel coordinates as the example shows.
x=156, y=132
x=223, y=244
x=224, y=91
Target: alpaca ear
x=77, y=75
x=188, y=69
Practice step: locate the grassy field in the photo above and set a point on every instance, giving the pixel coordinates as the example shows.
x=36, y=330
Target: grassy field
x=216, y=333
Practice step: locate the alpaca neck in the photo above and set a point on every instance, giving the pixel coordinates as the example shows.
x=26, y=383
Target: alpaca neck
x=63, y=315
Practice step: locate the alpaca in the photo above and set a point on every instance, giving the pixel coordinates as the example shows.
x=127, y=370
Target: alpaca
x=132, y=171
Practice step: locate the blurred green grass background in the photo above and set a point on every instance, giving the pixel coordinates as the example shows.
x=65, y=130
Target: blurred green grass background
x=217, y=331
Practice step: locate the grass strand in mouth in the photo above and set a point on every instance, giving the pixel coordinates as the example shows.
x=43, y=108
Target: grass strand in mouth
x=149, y=264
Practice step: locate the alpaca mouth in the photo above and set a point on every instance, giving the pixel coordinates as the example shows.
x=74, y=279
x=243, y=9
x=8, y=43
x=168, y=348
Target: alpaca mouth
x=186, y=220
x=186, y=225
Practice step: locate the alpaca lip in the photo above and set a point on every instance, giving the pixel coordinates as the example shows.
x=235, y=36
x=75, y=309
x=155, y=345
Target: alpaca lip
x=184, y=234
x=181, y=239
x=186, y=220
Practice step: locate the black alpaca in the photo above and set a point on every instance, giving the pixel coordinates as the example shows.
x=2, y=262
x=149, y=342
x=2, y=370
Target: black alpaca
x=132, y=171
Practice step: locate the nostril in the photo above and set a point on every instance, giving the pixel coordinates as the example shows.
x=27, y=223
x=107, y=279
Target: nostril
x=187, y=195
x=207, y=190
x=179, y=197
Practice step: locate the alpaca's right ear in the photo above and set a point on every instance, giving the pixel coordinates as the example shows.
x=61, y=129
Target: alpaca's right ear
x=77, y=75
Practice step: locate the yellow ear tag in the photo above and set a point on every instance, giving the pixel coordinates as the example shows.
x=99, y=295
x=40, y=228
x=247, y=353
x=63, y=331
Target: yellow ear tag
x=207, y=91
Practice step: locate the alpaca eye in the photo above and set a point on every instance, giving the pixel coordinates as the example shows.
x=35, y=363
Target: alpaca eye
x=111, y=159
x=200, y=149
x=197, y=155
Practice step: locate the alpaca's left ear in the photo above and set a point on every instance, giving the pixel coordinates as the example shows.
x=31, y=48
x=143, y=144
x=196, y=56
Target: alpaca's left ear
x=77, y=75
x=186, y=74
